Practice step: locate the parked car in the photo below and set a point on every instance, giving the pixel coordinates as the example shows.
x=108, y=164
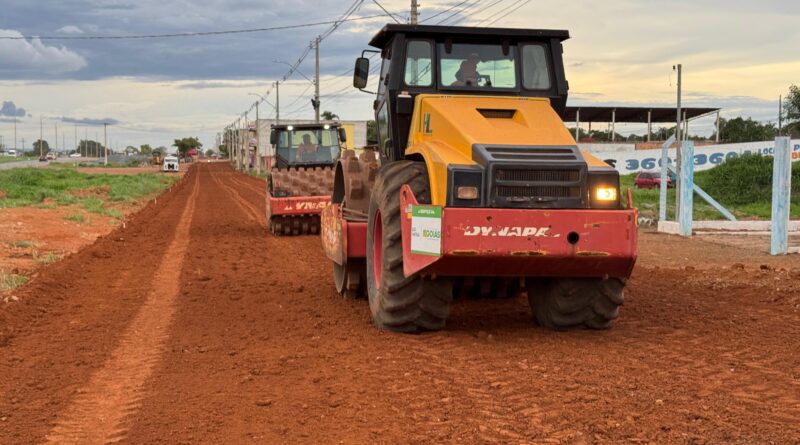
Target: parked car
x=51, y=156
x=648, y=180
x=75, y=155
x=43, y=159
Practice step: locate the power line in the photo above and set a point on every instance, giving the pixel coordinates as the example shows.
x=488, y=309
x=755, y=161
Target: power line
x=384, y=10
x=460, y=11
x=493, y=4
x=444, y=11
x=509, y=12
x=336, y=23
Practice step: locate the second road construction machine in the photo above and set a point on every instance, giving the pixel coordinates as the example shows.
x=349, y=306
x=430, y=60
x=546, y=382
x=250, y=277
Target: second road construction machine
x=477, y=187
x=301, y=179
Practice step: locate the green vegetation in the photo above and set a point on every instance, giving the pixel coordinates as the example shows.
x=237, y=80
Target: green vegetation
x=743, y=185
x=22, y=244
x=65, y=186
x=186, y=144
x=11, y=281
x=76, y=218
x=47, y=258
x=6, y=159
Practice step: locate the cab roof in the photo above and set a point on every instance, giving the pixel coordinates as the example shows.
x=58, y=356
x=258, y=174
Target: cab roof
x=308, y=126
x=386, y=34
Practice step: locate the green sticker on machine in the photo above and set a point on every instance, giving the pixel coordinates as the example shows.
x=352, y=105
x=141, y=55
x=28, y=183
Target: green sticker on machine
x=426, y=230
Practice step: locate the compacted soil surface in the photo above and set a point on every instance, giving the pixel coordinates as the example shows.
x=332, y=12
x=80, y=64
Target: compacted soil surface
x=192, y=325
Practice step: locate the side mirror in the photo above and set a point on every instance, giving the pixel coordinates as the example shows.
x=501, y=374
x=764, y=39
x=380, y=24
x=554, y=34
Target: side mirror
x=273, y=137
x=342, y=135
x=361, y=73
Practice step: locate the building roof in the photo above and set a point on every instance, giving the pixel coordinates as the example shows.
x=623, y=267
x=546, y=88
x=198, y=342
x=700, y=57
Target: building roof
x=388, y=31
x=632, y=114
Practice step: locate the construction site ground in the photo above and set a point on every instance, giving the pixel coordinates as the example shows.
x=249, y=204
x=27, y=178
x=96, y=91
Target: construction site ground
x=192, y=325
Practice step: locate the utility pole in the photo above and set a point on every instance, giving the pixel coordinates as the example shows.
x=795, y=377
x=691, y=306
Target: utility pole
x=55, y=141
x=258, y=159
x=780, y=114
x=105, y=142
x=41, y=136
x=277, y=103
x=316, y=83
x=85, y=141
x=678, y=140
x=15, y=133
x=76, y=137
x=414, y=12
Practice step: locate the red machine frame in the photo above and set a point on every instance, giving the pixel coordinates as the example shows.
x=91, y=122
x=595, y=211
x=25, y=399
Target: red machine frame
x=504, y=242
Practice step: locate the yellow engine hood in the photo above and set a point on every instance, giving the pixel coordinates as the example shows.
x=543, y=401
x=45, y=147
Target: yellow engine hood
x=461, y=121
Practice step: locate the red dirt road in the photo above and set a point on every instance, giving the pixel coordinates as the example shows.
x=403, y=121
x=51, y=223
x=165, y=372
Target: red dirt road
x=193, y=325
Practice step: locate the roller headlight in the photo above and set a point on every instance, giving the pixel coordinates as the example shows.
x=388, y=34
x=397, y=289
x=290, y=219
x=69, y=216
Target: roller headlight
x=605, y=194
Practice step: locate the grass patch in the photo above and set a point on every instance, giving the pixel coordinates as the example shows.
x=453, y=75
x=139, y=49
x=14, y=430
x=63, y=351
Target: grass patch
x=7, y=159
x=47, y=258
x=22, y=244
x=76, y=218
x=30, y=186
x=11, y=281
x=742, y=185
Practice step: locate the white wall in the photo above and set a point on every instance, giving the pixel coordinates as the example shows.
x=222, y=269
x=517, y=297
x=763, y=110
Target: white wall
x=706, y=157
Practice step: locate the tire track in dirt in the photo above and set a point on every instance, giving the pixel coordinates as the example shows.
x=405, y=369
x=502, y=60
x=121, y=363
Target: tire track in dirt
x=243, y=181
x=253, y=213
x=114, y=391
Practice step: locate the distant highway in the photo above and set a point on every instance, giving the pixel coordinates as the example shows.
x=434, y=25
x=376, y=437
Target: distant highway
x=36, y=164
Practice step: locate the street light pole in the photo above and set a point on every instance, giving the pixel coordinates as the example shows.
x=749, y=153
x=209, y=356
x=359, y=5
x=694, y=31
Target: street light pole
x=258, y=159
x=41, y=136
x=316, y=82
x=678, y=157
x=105, y=142
x=277, y=102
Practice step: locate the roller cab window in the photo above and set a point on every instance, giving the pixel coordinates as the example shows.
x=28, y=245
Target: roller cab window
x=300, y=147
x=477, y=66
x=418, y=69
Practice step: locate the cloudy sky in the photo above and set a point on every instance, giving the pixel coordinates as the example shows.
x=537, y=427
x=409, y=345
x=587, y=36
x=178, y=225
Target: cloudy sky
x=738, y=55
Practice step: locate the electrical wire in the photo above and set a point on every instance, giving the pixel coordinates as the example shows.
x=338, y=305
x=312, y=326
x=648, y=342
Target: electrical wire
x=336, y=23
x=509, y=12
x=460, y=11
x=444, y=11
x=384, y=10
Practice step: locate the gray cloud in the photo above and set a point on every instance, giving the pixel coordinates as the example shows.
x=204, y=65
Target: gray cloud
x=32, y=57
x=89, y=121
x=70, y=29
x=203, y=85
x=10, y=109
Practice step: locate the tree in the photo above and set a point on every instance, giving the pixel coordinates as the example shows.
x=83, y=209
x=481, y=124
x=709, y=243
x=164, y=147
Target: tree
x=792, y=104
x=746, y=130
x=41, y=147
x=145, y=149
x=186, y=144
x=223, y=149
x=209, y=153
x=329, y=116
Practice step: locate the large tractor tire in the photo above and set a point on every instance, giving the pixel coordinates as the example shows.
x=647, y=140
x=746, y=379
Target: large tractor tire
x=398, y=303
x=576, y=303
